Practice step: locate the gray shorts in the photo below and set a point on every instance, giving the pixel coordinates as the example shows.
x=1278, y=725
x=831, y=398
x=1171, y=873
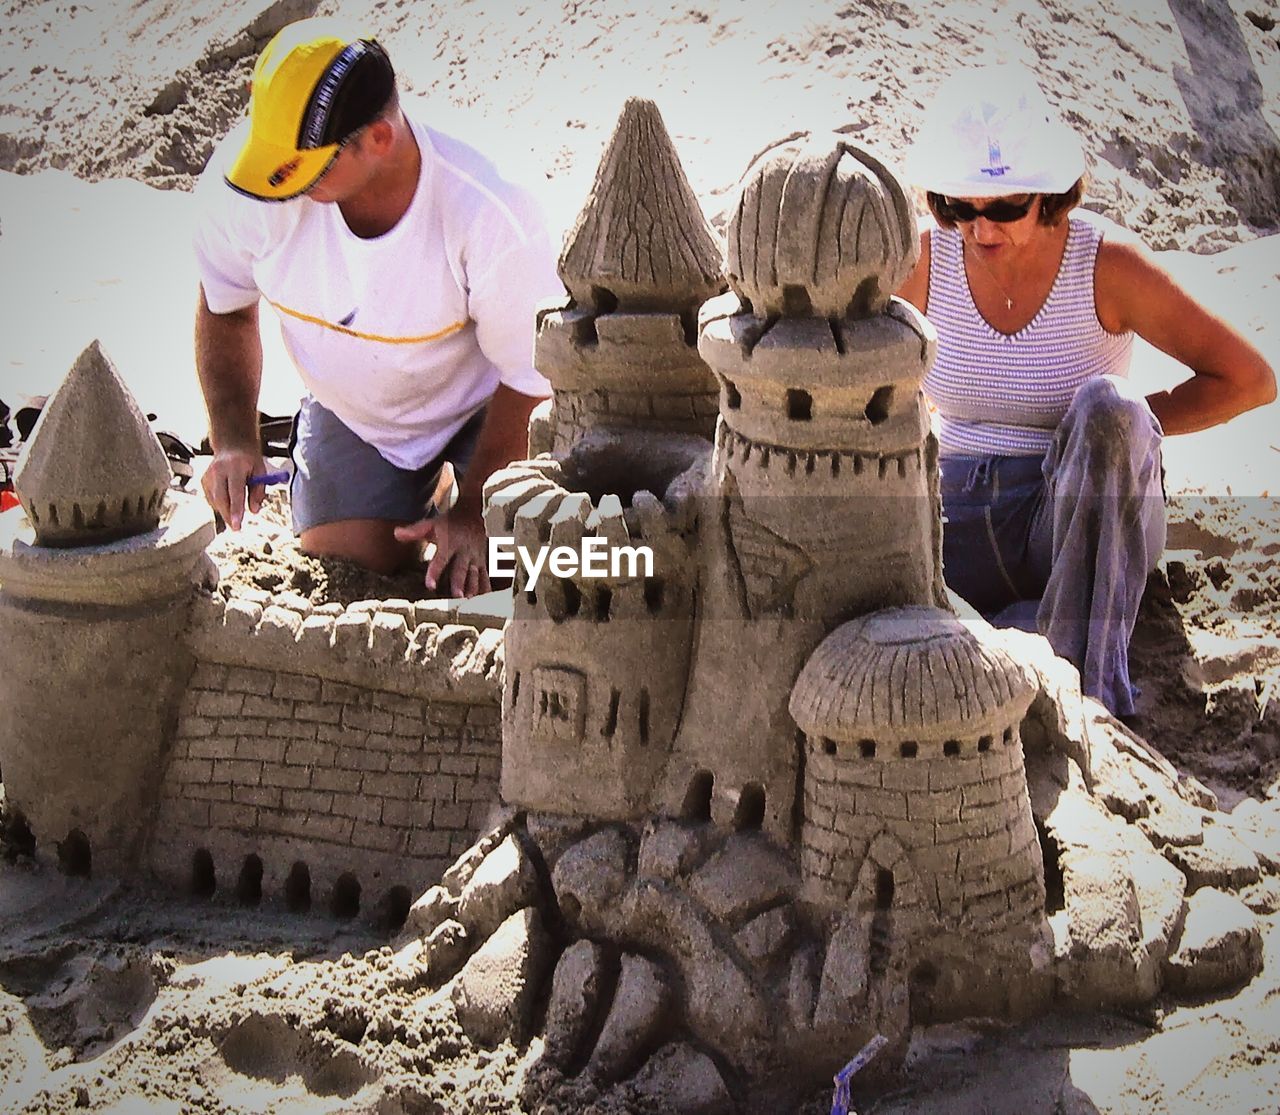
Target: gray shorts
x=337, y=476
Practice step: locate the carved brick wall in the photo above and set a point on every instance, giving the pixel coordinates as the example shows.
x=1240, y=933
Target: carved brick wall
x=331, y=757
x=958, y=808
x=577, y=413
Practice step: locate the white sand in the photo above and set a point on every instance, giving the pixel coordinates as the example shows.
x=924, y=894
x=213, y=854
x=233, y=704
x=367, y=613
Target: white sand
x=115, y=1001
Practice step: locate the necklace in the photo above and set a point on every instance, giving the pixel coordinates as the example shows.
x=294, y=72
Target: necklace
x=1008, y=301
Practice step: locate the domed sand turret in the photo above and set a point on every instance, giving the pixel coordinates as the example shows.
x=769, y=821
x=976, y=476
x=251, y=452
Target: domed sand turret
x=822, y=229
x=911, y=722
x=918, y=836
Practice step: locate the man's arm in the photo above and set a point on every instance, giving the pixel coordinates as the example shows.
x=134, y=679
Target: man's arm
x=1229, y=375
x=503, y=438
x=229, y=364
x=461, y=546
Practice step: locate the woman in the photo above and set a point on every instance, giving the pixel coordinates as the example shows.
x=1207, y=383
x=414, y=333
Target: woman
x=1051, y=477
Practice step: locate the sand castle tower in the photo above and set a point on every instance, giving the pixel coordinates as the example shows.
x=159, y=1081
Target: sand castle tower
x=825, y=473
x=596, y=667
x=823, y=449
x=917, y=825
x=640, y=259
x=95, y=587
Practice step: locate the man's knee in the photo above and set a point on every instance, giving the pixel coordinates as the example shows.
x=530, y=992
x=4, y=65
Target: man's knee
x=370, y=543
x=1110, y=412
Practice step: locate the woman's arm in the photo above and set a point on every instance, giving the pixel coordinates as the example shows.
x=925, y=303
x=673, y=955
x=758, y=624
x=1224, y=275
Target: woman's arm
x=916, y=289
x=1229, y=375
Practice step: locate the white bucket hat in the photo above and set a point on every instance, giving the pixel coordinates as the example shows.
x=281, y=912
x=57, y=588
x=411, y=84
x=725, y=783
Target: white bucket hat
x=991, y=132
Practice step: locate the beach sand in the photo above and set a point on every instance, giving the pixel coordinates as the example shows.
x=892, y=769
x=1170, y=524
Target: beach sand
x=122, y=999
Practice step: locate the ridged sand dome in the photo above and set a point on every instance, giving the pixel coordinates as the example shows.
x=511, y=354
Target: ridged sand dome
x=823, y=228
x=908, y=673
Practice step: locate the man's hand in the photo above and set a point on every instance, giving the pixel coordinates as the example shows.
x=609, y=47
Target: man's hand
x=229, y=363
x=226, y=482
x=459, y=535
x=461, y=549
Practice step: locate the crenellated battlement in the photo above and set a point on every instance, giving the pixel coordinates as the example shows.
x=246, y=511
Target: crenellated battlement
x=597, y=664
x=819, y=464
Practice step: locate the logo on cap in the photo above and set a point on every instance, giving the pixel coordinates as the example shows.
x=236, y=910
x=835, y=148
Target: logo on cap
x=995, y=168
x=284, y=172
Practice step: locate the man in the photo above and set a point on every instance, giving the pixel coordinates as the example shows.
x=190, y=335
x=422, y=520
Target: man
x=405, y=273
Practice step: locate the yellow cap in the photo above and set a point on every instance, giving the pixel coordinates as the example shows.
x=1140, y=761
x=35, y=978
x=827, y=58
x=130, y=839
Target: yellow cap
x=315, y=84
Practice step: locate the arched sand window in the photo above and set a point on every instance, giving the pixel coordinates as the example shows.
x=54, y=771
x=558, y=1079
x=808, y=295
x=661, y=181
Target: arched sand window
x=74, y=854
x=393, y=909
x=249, y=885
x=297, y=888
x=750, y=812
x=879, y=405
x=204, y=881
x=799, y=405
x=884, y=888
x=697, y=799
x=18, y=835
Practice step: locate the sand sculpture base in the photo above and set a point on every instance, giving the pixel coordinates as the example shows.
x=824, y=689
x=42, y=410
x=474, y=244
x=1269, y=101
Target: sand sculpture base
x=681, y=944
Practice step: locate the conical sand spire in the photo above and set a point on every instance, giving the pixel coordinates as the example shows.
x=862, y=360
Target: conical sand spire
x=93, y=470
x=641, y=241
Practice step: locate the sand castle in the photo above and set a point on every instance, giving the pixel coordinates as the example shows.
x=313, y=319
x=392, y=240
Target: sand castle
x=746, y=812
x=255, y=746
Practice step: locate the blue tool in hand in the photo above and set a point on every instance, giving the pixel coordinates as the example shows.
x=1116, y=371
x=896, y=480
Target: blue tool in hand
x=268, y=478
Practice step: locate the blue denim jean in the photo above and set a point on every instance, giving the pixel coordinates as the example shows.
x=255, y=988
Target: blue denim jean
x=1063, y=544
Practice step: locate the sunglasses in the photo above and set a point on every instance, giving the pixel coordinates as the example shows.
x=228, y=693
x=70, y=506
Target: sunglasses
x=1001, y=212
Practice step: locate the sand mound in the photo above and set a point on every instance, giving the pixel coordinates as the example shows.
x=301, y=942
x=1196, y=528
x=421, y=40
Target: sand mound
x=1172, y=100
x=132, y=1002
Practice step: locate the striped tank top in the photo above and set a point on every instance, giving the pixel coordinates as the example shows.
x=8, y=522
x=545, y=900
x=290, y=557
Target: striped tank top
x=1002, y=394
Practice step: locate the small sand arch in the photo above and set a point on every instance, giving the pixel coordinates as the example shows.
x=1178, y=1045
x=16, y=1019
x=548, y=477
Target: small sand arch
x=75, y=857
x=204, y=880
x=345, y=900
x=297, y=888
x=249, y=885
